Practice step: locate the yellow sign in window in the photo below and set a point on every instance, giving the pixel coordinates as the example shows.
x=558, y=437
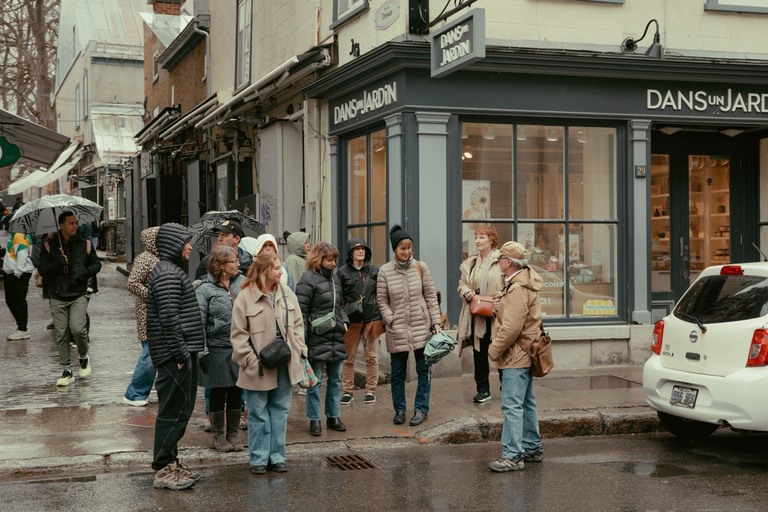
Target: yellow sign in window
x=599, y=307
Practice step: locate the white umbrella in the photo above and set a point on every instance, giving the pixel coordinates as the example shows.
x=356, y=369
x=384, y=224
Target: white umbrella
x=42, y=215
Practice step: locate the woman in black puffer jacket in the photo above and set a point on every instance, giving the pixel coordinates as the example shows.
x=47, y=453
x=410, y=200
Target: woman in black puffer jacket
x=315, y=291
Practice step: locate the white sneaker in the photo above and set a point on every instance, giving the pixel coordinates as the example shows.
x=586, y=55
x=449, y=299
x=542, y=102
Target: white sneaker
x=18, y=335
x=135, y=403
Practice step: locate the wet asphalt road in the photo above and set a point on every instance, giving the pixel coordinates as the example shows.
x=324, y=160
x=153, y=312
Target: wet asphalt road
x=637, y=472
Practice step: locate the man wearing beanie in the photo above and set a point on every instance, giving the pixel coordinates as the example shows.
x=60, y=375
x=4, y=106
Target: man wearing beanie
x=408, y=305
x=174, y=337
x=518, y=321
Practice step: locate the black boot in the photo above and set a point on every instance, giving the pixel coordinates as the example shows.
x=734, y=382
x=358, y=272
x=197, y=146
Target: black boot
x=335, y=424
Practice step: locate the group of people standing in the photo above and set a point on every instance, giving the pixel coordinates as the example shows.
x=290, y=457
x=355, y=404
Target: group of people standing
x=210, y=333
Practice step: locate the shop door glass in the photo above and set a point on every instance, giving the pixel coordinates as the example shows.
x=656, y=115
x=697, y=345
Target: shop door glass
x=661, y=257
x=709, y=226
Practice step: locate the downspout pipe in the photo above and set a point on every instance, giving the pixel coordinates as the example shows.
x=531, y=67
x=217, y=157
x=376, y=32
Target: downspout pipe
x=207, y=59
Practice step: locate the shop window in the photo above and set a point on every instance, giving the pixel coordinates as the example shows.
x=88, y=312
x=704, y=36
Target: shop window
x=243, y=42
x=345, y=10
x=750, y=6
x=552, y=188
x=367, y=194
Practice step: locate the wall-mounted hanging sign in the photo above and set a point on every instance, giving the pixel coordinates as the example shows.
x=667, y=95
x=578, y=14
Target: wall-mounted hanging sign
x=9, y=153
x=459, y=43
x=387, y=14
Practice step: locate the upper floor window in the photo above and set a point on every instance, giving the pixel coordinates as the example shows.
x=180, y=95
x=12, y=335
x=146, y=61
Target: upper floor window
x=77, y=107
x=85, y=94
x=243, y=44
x=345, y=10
x=758, y=6
x=155, y=67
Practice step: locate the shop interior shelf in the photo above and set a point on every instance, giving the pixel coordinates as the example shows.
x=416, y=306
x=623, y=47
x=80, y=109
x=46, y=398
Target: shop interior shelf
x=661, y=217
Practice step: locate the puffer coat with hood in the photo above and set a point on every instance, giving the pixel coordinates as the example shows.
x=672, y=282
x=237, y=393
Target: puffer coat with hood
x=143, y=266
x=356, y=283
x=297, y=260
x=253, y=247
x=517, y=321
x=315, y=297
x=408, y=304
x=174, y=328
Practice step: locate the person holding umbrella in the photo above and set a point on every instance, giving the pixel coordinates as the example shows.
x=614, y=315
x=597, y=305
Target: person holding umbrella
x=67, y=262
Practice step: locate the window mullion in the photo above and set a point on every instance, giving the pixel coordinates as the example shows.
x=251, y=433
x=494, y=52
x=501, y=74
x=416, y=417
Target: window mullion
x=566, y=210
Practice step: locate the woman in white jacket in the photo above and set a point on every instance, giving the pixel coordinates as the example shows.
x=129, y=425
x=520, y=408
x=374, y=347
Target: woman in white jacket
x=18, y=268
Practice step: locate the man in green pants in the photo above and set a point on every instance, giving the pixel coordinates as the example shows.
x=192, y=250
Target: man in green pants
x=67, y=261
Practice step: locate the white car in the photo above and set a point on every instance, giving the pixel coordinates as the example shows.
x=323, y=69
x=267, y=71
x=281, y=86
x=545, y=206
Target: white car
x=709, y=366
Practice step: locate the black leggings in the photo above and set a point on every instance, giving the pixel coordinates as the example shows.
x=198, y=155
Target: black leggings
x=220, y=396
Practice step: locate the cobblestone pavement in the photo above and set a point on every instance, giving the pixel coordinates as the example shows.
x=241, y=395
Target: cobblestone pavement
x=31, y=367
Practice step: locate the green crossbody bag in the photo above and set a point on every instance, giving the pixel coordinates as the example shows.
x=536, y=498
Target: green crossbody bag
x=327, y=322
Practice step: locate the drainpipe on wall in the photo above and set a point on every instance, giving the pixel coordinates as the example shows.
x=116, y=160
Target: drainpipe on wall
x=207, y=60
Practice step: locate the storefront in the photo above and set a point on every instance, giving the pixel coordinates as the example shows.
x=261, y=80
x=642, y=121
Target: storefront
x=617, y=172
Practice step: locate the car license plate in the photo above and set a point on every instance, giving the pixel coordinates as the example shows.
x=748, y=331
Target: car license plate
x=684, y=397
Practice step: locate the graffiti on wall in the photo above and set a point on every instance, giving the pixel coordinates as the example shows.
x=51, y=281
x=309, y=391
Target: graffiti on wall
x=268, y=211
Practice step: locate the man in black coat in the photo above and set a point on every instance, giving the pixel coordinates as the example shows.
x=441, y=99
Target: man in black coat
x=174, y=338
x=358, y=282
x=230, y=233
x=66, y=263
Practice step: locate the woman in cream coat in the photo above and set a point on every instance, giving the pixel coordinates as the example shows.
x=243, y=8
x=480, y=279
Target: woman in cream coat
x=258, y=316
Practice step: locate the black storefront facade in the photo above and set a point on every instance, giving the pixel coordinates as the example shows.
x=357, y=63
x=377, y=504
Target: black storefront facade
x=623, y=175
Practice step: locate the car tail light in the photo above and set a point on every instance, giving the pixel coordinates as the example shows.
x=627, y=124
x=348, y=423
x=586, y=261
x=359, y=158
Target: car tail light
x=658, y=334
x=758, y=351
x=732, y=270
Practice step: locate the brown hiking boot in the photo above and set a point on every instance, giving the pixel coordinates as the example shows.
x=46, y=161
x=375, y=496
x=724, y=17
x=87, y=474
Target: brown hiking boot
x=233, y=425
x=219, y=437
x=170, y=478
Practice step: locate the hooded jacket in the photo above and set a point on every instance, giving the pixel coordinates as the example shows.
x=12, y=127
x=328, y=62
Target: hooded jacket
x=518, y=319
x=143, y=266
x=254, y=245
x=296, y=261
x=174, y=328
x=495, y=284
x=215, y=304
x=83, y=264
x=17, y=260
x=315, y=297
x=408, y=304
x=356, y=283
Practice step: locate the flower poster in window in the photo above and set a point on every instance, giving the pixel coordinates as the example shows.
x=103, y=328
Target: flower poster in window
x=476, y=199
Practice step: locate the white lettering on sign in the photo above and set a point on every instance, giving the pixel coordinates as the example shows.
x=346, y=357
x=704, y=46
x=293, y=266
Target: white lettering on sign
x=700, y=101
x=369, y=101
x=459, y=49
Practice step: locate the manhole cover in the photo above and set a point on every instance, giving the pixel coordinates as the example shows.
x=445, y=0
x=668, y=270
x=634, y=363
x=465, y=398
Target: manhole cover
x=351, y=462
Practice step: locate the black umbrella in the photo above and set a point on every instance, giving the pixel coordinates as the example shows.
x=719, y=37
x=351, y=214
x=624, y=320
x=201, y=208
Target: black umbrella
x=203, y=233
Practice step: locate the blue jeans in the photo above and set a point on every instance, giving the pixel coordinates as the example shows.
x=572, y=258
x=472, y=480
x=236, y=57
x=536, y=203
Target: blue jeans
x=268, y=420
x=520, y=433
x=399, y=364
x=143, y=376
x=332, y=391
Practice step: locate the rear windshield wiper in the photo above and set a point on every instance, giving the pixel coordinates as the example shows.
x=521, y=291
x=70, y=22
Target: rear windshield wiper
x=691, y=317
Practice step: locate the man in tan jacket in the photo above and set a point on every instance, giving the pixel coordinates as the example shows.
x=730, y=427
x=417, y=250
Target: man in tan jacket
x=518, y=319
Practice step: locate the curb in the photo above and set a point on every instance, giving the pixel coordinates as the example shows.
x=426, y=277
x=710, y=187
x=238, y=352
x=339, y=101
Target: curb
x=552, y=424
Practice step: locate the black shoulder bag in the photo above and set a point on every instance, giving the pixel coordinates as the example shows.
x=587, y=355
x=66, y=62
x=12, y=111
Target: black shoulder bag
x=277, y=352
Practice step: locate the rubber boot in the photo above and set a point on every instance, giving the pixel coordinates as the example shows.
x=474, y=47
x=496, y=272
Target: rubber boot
x=217, y=427
x=233, y=425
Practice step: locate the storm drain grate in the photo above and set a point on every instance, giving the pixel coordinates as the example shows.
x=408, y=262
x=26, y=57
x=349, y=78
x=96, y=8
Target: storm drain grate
x=351, y=462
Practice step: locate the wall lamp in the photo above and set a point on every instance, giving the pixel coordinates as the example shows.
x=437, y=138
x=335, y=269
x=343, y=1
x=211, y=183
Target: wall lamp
x=629, y=45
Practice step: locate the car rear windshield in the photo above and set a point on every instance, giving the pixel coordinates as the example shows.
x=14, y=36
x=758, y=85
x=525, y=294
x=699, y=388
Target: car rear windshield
x=717, y=299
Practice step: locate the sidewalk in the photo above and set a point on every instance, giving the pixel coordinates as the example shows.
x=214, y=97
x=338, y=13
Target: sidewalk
x=118, y=437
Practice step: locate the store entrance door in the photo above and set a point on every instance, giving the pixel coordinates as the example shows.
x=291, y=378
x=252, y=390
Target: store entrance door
x=690, y=218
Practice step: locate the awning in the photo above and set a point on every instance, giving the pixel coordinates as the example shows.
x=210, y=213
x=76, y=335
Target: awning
x=38, y=145
x=56, y=173
x=19, y=186
x=148, y=132
x=114, y=136
x=190, y=118
x=279, y=78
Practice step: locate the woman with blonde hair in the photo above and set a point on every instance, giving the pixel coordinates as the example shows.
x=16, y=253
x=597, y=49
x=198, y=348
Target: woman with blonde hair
x=264, y=310
x=320, y=295
x=216, y=295
x=480, y=275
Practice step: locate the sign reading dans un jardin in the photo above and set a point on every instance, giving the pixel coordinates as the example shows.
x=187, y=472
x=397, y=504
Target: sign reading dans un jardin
x=702, y=101
x=459, y=43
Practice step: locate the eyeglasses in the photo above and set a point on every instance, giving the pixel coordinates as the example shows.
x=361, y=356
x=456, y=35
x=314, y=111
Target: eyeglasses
x=232, y=261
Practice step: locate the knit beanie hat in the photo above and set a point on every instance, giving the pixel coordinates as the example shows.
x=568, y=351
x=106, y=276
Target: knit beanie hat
x=397, y=234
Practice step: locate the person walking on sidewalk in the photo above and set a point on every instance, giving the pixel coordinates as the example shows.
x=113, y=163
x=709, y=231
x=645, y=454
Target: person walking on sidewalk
x=480, y=275
x=408, y=304
x=298, y=247
x=144, y=373
x=518, y=319
x=358, y=283
x=67, y=262
x=175, y=336
x=230, y=233
x=18, y=267
x=319, y=294
x=216, y=296
x=264, y=303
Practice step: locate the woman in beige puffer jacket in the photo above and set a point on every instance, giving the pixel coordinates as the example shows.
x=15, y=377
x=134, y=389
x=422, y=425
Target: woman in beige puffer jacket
x=408, y=304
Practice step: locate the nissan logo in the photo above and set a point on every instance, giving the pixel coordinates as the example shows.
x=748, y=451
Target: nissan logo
x=693, y=337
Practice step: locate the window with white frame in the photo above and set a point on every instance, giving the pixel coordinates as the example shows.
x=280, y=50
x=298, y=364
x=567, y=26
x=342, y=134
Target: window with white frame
x=155, y=67
x=85, y=94
x=345, y=10
x=77, y=107
x=751, y=6
x=243, y=42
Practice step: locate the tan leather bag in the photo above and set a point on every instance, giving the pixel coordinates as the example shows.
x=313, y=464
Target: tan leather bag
x=541, y=352
x=481, y=305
